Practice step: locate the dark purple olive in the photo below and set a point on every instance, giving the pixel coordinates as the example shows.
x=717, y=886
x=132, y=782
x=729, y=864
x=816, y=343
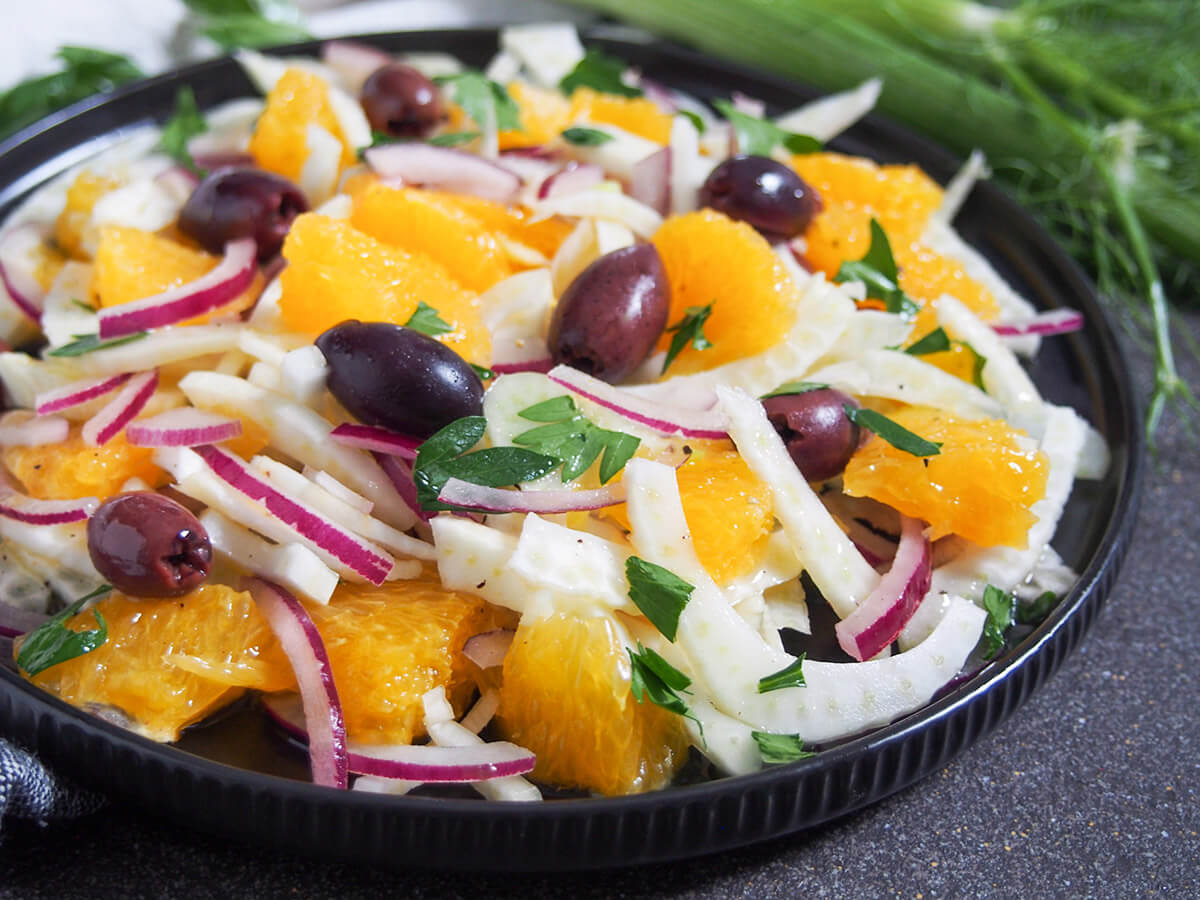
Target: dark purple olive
x=400, y=101
x=819, y=435
x=238, y=203
x=147, y=545
x=398, y=378
x=763, y=193
x=609, y=318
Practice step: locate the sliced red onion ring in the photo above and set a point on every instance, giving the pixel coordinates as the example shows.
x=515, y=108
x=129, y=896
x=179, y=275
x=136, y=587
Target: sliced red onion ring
x=530, y=365
x=660, y=95
x=487, y=649
x=428, y=763
x=211, y=291
x=76, y=393
x=650, y=182
x=121, y=409
x=35, y=432
x=324, y=722
x=663, y=419
x=400, y=475
x=353, y=61
x=532, y=169
x=17, y=266
x=382, y=440
x=487, y=499
x=880, y=618
x=15, y=621
x=446, y=168
x=343, y=546
x=183, y=427
x=32, y=511
x=570, y=180
x=1055, y=321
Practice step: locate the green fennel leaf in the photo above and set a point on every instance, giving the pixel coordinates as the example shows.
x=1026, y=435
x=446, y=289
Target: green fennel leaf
x=780, y=748
x=586, y=137
x=1001, y=612
x=483, y=100
x=570, y=437
x=878, y=271
x=426, y=320
x=795, y=387
x=599, y=72
x=892, y=432
x=789, y=676
x=52, y=642
x=1035, y=612
x=89, y=343
x=688, y=329
x=659, y=593
x=185, y=123
x=937, y=341
x=759, y=137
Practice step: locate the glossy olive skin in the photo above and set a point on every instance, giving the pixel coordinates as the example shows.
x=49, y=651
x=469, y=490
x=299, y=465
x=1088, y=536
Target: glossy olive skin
x=147, y=545
x=764, y=193
x=234, y=203
x=814, y=426
x=609, y=318
x=397, y=378
x=400, y=101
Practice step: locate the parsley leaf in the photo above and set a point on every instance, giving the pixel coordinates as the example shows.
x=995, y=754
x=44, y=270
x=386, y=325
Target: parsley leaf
x=84, y=72
x=1001, y=610
x=53, y=642
x=878, y=271
x=789, y=676
x=185, y=123
x=659, y=593
x=453, y=138
x=484, y=373
x=759, y=137
x=88, y=343
x=892, y=432
x=86, y=307
x=1036, y=611
x=977, y=368
x=600, y=72
x=249, y=23
x=795, y=387
x=586, y=137
x=484, y=101
x=654, y=678
x=689, y=328
x=937, y=341
x=695, y=118
x=780, y=748
x=575, y=441
x=426, y=320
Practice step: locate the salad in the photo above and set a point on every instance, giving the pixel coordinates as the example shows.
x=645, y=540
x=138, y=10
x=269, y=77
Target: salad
x=504, y=427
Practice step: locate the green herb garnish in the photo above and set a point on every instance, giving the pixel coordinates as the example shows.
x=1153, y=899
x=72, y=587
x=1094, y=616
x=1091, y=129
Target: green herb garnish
x=937, y=341
x=484, y=101
x=586, y=137
x=659, y=593
x=249, y=23
x=86, y=307
x=795, y=387
x=780, y=748
x=695, y=118
x=1001, y=610
x=878, y=271
x=689, y=329
x=484, y=373
x=89, y=343
x=1036, y=611
x=759, y=137
x=53, y=642
x=185, y=123
x=789, y=676
x=892, y=432
x=453, y=138
x=574, y=440
x=600, y=72
x=978, y=362
x=654, y=678
x=426, y=320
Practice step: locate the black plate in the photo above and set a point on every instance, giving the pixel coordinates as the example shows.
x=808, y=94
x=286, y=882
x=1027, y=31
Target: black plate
x=235, y=778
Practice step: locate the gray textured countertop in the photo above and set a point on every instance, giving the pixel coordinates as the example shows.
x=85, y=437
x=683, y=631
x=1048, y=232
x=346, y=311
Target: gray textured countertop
x=1090, y=789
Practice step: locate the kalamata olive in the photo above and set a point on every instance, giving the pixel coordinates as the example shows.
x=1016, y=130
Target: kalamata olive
x=236, y=203
x=609, y=318
x=763, y=193
x=147, y=545
x=819, y=436
x=400, y=101
x=398, y=378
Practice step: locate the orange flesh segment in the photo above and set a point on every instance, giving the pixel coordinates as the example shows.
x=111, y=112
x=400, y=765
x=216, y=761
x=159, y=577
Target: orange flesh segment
x=71, y=470
x=82, y=195
x=279, y=143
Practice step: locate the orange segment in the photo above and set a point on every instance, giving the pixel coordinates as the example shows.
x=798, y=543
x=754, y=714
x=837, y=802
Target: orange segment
x=926, y=274
x=279, y=143
x=710, y=258
x=544, y=115
x=389, y=645
x=82, y=195
x=132, y=264
x=72, y=469
x=566, y=697
x=336, y=272
x=431, y=222
x=636, y=115
x=980, y=486
x=544, y=236
x=168, y=663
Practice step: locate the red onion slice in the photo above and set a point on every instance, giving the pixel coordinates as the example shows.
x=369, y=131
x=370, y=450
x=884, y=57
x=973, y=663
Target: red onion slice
x=382, y=440
x=32, y=511
x=121, y=409
x=225, y=282
x=1055, y=321
x=650, y=182
x=530, y=365
x=15, y=621
x=751, y=106
x=570, y=180
x=446, y=168
x=35, y=432
x=183, y=427
x=324, y=722
x=487, y=499
x=343, y=546
x=17, y=266
x=660, y=418
x=880, y=618
x=76, y=393
x=400, y=475
x=488, y=648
